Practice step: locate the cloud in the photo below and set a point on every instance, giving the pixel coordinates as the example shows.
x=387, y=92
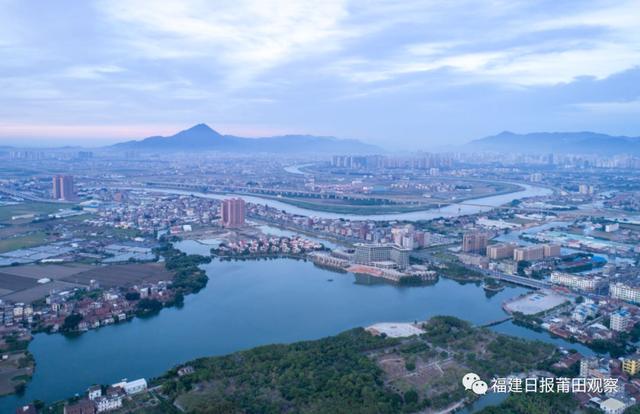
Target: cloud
x=91, y=71
x=370, y=69
x=245, y=37
x=522, y=50
x=611, y=108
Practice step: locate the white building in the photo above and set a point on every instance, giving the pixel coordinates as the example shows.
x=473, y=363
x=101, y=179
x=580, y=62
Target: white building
x=580, y=282
x=610, y=228
x=584, y=310
x=108, y=403
x=369, y=253
x=620, y=320
x=624, y=292
x=94, y=392
x=613, y=406
x=134, y=387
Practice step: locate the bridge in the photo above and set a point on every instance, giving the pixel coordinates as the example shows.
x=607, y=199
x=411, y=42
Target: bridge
x=495, y=322
x=518, y=280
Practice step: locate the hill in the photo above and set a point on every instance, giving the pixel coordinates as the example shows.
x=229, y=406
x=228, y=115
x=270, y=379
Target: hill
x=353, y=372
x=557, y=142
x=203, y=138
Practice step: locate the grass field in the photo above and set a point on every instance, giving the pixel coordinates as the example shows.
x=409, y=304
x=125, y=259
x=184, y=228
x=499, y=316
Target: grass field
x=6, y=212
x=21, y=242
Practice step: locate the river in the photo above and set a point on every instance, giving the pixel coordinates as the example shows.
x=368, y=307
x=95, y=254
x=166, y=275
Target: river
x=295, y=169
x=474, y=206
x=247, y=304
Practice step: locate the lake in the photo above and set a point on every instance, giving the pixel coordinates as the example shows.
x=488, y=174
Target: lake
x=247, y=304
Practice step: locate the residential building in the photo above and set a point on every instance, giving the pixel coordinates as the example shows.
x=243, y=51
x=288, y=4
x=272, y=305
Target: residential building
x=500, y=251
x=83, y=406
x=94, y=392
x=588, y=366
x=620, y=320
x=625, y=292
x=528, y=253
x=631, y=366
x=584, y=311
x=579, y=282
x=232, y=212
x=474, y=242
x=474, y=260
x=586, y=189
x=404, y=236
x=551, y=250
x=63, y=187
x=108, y=403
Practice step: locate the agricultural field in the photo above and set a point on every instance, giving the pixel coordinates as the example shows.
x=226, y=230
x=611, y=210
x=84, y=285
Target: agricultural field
x=27, y=208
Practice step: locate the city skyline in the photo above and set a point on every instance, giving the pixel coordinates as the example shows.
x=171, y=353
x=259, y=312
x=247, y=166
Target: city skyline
x=153, y=70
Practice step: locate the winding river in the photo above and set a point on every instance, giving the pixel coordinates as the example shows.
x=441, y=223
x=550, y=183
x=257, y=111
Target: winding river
x=474, y=206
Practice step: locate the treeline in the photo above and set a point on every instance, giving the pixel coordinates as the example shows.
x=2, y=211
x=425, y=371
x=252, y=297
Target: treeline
x=188, y=277
x=331, y=375
x=535, y=403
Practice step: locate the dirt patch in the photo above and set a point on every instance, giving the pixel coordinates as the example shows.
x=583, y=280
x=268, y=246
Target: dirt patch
x=122, y=275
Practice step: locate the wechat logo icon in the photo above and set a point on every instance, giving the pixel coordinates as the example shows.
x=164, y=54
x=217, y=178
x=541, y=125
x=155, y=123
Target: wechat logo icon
x=473, y=382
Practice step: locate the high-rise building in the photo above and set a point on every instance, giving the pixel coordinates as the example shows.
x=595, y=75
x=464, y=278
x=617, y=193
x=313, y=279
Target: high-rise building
x=63, y=188
x=56, y=194
x=474, y=242
x=232, y=212
x=404, y=236
x=528, y=253
x=551, y=250
x=500, y=251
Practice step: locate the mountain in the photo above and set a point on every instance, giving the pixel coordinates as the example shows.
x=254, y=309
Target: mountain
x=202, y=138
x=557, y=142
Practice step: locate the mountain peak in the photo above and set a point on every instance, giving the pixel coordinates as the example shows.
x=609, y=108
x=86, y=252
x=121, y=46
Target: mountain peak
x=200, y=129
x=201, y=137
x=584, y=142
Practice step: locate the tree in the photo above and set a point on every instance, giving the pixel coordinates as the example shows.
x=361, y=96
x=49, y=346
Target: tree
x=148, y=306
x=411, y=397
x=71, y=322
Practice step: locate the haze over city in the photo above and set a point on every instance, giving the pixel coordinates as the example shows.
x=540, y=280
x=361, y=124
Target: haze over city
x=310, y=207
x=420, y=75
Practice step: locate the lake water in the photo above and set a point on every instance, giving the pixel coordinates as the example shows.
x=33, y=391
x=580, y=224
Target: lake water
x=246, y=304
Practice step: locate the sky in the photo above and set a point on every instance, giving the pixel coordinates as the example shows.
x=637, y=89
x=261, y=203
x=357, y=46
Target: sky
x=410, y=75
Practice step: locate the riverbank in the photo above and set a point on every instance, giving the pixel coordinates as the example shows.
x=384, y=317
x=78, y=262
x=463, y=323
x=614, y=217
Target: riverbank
x=17, y=364
x=327, y=375
x=364, y=207
x=274, y=301
x=451, y=210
